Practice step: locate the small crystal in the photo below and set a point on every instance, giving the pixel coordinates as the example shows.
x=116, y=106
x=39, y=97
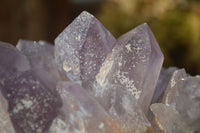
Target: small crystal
x=163, y=81
x=41, y=55
x=11, y=60
x=169, y=120
x=82, y=47
x=170, y=91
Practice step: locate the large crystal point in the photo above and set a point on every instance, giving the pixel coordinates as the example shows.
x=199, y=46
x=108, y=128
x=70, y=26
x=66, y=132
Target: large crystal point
x=169, y=120
x=184, y=96
x=40, y=55
x=134, y=64
x=33, y=102
x=82, y=47
x=5, y=122
x=82, y=113
x=11, y=61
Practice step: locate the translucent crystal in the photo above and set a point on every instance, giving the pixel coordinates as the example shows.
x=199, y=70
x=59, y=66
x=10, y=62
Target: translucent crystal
x=169, y=120
x=82, y=47
x=133, y=65
x=5, y=122
x=33, y=101
x=82, y=113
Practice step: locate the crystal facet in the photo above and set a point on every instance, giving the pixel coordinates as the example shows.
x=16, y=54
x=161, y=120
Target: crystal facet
x=82, y=112
x=33, y=103
x=11, y=60
x=82, y=47
x=163, y=81
x=134, y=64
x=184, y=96
x=41, y=55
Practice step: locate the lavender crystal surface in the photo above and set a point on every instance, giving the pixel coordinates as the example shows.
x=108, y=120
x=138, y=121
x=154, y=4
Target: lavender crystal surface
x=11, y=61
x=169, y=120
x=184, y=97
x=32, y=104
x=163, y=82
x=82, y=112
x=134, y=64
x=40, y=55
x=82, y=47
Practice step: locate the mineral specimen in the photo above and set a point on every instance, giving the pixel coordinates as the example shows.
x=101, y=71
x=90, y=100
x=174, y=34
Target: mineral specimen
x=92, y=83
x=82, y=47
x=134, y=65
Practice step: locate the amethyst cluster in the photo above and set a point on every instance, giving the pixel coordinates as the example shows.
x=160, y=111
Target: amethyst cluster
x=90, y=82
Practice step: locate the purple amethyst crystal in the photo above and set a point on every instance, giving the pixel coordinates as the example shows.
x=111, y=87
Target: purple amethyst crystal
x=32, y=103
x=82, y=47
x=134, y=64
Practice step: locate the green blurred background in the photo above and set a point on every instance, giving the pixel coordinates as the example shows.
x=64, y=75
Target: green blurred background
x=175, y=23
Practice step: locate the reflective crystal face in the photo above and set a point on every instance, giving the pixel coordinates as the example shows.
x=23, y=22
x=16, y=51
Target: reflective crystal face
x=32, y=103
x=82, y=47
x=134, y=64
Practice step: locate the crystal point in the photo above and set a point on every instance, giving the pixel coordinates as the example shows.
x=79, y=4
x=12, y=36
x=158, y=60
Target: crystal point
x=82, y=47
x=134, y=64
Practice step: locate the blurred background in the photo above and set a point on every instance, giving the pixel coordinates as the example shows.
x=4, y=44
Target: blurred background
x=175, y=23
